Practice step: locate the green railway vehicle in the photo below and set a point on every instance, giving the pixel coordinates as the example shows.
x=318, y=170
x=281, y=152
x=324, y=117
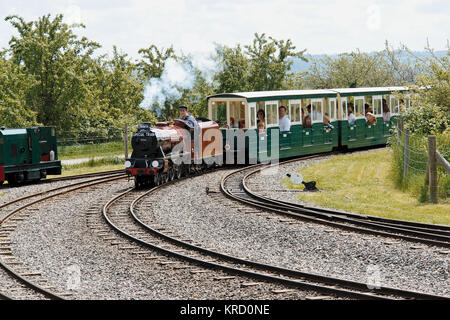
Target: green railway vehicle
x=28, y=154
x=343, y=130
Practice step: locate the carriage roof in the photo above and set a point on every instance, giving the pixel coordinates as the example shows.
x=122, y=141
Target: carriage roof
x=305, y=94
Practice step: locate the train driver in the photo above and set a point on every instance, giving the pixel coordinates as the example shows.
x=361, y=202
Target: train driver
x=187, y=118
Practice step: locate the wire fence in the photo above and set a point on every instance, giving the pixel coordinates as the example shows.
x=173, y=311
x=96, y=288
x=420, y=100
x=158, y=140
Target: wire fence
x=411, y=166
x=105, y=142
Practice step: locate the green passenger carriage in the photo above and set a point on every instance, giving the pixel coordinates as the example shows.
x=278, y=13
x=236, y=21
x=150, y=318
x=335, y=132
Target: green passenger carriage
x=28, y=154
x=234, y=111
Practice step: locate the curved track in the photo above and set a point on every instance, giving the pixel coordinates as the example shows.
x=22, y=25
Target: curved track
x=429, y=234
x=235, y=186
x=27, y=284
x=124, y=219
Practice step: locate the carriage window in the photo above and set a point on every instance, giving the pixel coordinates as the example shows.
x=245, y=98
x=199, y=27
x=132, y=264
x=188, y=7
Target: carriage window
x=237, y=114
x=359, y=107
x=295, y=114
x=344, y=109
x=332, y=109
x=252, y=115
x=395, y=105
x=317, y=110
x=407, y=103
x=271, y=113
x=377, y=102
x=219, y=112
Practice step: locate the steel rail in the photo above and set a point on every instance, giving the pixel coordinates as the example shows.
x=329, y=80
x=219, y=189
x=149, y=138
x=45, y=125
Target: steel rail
x=74, y=187
x=318, y=286
x=418, y=232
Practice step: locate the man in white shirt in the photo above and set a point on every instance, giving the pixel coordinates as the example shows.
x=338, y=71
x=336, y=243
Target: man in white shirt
x=285, y=122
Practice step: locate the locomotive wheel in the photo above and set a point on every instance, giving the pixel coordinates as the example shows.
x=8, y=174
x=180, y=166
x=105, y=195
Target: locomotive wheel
x=157, y=180
x=178, y=173
x=165, y=177
x=154, y=180
x=172, y=174
x=137, y=182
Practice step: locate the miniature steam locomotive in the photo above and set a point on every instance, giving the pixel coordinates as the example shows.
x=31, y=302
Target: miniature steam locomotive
x=172, y=150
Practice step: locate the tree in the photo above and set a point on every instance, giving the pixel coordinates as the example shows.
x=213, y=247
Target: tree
x=234, y=70
x=270, y=62
x=153, y=61
x=264, y=65
x=349, y=70
x=14, y=86
x=50, y=52
x=431, y=101
x=66, y=85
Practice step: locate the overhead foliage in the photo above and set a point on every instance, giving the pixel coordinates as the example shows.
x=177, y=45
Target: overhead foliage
x=64, y=84
x=264, y=65
x=431, y=101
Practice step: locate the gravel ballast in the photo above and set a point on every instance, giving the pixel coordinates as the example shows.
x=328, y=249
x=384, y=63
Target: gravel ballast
x=224, y=225
x=57, y=242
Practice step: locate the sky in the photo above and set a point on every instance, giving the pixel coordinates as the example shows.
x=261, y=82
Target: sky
x=193, y=26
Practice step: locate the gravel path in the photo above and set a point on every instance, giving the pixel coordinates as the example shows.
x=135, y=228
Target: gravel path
x=230, y=228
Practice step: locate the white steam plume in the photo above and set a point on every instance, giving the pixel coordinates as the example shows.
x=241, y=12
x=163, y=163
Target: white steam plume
x=176, y=77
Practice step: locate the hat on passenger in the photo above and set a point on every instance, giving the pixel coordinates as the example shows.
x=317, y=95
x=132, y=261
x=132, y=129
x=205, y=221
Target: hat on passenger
x=183, y=108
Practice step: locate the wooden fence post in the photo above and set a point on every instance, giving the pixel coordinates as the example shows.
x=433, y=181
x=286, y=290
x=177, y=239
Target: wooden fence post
x=432, y=164
x=125, y=139
x=406, y=155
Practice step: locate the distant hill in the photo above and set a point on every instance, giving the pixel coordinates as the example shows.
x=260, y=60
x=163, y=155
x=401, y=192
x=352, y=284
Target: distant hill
x=300, y=65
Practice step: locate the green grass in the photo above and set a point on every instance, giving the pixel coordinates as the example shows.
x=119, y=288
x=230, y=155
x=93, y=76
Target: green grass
x=362, y=183
x=92, y=163
x=73, y=170
x=91, y=150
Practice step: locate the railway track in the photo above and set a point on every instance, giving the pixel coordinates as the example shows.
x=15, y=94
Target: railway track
x=122, y=214
x=236, y=187
x=23, y=283
x=74, y=177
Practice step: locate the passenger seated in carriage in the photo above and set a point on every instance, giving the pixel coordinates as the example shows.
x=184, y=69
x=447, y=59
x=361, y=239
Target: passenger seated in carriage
x=232, y=124
x=326, y=122
x=284, y=122
x=370, y=118
x=261, y=122
x=386, y=111
x=307, y=118
x=351, y=115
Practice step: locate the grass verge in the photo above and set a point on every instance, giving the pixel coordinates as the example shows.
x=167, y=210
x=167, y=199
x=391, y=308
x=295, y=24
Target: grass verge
x=93, y=165
x=90, y=150
x=362, y=183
